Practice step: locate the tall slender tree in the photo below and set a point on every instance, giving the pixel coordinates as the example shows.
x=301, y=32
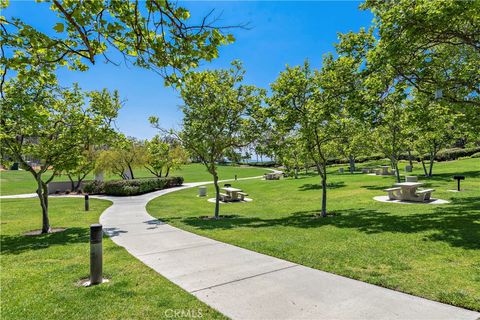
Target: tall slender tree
x=42, y=121
x=217, y=120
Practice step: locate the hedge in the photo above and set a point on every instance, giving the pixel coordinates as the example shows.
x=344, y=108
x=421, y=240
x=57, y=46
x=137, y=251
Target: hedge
x=442, y=155
x=131, y=187
x=455, y=153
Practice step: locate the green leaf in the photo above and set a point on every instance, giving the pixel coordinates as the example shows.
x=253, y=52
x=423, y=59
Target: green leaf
x=59, y=27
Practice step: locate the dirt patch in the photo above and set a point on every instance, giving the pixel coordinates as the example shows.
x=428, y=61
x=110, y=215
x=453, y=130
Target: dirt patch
x=219, y=217
x=39, y=231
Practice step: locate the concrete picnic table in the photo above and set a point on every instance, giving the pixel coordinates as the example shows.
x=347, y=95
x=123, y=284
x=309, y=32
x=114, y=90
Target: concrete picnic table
x=232, y=192
x=385, y=170
x=409, y=190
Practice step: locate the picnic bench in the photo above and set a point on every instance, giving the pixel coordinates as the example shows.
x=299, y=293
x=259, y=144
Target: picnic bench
x=224, y=197
x=425, y=194
x=394, y=193
x=407, y=191
x=242, y=195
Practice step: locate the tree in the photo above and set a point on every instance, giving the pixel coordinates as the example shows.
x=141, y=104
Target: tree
x=94, y=139
x=217, y=119
x=433, y=127
x=126, y=154
x=390, y=133
x=164, y=155
x=153, y=34
x=388, y=115
x=42, y=121
x=298, y=104
x=85, y=165
x=354, y=141
x=432, y=45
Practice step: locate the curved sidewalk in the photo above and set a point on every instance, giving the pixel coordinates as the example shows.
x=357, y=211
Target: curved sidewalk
x=243, y=284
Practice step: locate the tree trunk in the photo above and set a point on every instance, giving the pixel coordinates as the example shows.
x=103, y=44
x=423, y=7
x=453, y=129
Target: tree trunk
x=131, y=171
x=296, y=172
x=352, y=163
x=42, y=192
x=433, y=152
x=410, y=158
x=324, y=195
x=72, y=183
x=432, y=159
x=397, y=172
x=217, y=195
x=168, y=172
x=424, y=168
x=79, y=182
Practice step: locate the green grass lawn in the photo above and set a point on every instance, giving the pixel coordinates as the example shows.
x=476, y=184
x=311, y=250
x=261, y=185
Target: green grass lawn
x=39, y=274
x=18, y=182
x=431, y=251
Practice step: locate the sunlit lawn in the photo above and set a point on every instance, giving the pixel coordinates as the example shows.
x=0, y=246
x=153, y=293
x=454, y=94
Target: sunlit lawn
x=18, y=182
x=39, y=274
x=431, y=251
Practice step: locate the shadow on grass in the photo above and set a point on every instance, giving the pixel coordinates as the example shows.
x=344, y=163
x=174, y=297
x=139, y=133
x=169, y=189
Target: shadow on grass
x=449, y=176
x=375, y=187
x=455, y=224
x=16, y=244
x=318, y=186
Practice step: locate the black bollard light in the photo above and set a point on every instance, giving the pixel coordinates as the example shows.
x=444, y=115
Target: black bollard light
x=96, y=254
x=235, y=177
x=87, y=205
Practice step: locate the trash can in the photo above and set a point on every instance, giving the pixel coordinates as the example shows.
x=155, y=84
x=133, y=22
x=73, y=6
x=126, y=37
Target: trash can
x=408, y=168
x=341, y=170
x=202, y=191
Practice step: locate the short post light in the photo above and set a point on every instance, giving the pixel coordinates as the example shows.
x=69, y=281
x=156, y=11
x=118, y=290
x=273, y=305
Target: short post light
x=96, y=254
x=87, y=204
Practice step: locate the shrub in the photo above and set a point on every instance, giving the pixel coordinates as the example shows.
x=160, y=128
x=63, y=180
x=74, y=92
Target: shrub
x=139, y=186
x=455, y=153
x=475, y=155
x=174, y=181
x=93, y=187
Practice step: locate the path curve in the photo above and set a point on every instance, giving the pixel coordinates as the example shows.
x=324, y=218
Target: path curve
x=244, y=284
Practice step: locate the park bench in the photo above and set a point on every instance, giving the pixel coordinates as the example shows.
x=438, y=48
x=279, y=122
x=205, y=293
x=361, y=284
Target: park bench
x=425, y=193
x=242, y=195
x=393, y=193
x=224, y=197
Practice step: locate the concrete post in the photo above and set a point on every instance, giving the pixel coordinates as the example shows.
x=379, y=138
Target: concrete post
x=87, y=205
x=96, y=254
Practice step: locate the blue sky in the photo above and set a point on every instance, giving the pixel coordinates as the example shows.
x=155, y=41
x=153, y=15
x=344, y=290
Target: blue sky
x=280, y=33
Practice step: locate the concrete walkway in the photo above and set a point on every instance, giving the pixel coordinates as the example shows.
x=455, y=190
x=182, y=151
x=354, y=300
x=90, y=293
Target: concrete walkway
x=243, y=284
